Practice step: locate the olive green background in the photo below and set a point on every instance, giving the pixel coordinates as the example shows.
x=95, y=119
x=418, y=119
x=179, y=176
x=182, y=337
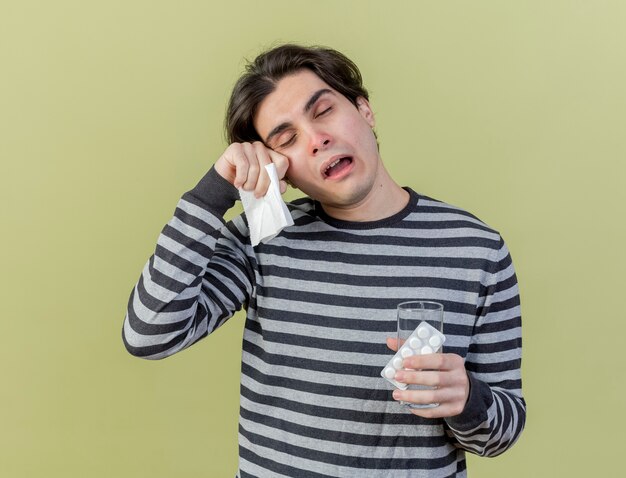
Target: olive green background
x=110, y=110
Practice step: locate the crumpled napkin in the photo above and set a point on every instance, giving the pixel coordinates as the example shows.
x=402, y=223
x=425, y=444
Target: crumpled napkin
x=269, y=215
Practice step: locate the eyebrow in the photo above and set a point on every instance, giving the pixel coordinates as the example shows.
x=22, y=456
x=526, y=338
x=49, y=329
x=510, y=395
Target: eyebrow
x=313, y=99
x=307, y=107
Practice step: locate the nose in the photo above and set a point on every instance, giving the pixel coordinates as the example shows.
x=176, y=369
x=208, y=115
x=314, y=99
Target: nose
x=319, y=142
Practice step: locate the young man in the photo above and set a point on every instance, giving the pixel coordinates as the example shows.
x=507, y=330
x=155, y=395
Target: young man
x=321, y=296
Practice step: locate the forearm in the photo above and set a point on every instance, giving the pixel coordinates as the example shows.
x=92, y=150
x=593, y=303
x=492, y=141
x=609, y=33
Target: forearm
x=495, y=413
x=169, y=309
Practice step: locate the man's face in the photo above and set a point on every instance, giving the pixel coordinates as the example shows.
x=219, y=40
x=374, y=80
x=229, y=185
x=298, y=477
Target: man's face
x=332, y=151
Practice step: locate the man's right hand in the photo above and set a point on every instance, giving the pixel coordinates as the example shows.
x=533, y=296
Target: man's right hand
x=243, y=165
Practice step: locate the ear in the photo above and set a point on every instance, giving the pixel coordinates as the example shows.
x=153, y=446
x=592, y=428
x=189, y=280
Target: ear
x=366, y=111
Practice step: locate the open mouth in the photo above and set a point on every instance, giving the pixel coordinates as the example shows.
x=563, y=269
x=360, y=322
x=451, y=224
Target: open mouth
x=336, y=167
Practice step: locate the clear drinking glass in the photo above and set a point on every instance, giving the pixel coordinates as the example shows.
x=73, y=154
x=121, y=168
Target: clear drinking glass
x=410, y=315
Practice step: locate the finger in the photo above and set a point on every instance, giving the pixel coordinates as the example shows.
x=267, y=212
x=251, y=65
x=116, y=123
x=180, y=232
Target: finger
x=419, y=377
x=263, y=179
x=280, y=161
x=427, y=362
x=447, y=406
x=235, y=155
x=450, y=401
x=232, y=166
x=253, y=167
x=427, y=396
x=392, y=343
x=418, y=397
x=241, y=171
x=283, y=186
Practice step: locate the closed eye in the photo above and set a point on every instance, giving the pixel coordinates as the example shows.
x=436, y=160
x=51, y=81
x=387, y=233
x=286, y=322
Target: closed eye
x=289, y=142
x=327, y=110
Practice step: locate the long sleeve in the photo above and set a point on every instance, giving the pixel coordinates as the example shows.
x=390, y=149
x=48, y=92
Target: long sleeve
x=197, y=278
x=494, y=416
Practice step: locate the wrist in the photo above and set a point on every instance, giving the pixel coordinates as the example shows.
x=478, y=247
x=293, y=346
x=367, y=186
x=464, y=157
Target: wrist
x=214, y=192
x=479, y=399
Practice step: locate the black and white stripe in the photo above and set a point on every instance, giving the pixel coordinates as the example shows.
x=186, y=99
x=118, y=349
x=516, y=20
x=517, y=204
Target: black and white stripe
x=320, y=301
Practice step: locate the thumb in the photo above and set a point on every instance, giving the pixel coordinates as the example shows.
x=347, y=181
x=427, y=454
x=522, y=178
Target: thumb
x=281, y=162
x=392, y=343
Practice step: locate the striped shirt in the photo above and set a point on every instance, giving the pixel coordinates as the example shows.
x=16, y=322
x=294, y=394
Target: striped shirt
x=320, y=300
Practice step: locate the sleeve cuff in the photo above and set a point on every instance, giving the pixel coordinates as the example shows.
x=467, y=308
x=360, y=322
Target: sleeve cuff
x=476, y=408
x=214, y=193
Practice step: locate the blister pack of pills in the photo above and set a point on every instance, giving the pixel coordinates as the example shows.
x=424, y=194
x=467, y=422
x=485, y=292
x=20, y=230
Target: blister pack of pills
x=425, y=339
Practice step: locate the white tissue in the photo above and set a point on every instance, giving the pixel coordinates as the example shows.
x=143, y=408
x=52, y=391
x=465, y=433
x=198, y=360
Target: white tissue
x=267, y=216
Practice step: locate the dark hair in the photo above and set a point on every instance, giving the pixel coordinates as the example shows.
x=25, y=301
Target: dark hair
x=262, y=75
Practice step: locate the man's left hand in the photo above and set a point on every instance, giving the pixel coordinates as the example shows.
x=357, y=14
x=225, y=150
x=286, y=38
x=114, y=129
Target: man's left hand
x=445, y=372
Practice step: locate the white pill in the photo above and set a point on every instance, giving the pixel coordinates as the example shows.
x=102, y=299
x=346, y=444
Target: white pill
x=429, y=340
x=415, y=343
x=435, y=341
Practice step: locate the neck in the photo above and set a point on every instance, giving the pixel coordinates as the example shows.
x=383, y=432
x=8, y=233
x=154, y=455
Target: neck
x=384, y=199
